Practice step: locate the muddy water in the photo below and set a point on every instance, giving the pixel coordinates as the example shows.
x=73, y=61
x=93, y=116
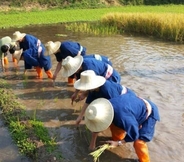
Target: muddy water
x=152, y=68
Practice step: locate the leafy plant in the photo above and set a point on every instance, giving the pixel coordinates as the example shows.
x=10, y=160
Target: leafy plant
x=26, y=132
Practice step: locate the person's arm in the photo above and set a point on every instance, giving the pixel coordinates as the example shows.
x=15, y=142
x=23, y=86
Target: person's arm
x=74, y=96
x=58, y=68
x=92, y=145
x=2, y=62
x=79, y=119
x=83, y=95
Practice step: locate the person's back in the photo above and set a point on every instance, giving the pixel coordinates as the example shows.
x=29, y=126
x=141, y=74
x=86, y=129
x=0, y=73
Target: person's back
x=101, y=68
x=69, y=48
x=30, y=41
x=3, y=41
x=108, y=90
x=99, y=57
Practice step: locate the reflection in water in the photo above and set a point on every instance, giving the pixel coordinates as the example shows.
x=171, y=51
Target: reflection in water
x=153, y=69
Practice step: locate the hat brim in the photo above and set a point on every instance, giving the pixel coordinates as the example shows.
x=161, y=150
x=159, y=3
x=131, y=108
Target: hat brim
x=75, y=67
x=107, y=116
x=22, y=35
x=50, y=52
x=95, y=83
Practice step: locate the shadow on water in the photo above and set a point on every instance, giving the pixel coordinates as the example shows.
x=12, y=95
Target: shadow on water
x=152, y=68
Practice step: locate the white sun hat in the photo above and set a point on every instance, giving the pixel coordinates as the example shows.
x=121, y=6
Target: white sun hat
x=71, y=64
x=89, y=80
x=52, y=47
x=99, y=115
x=17, y=54
x=17, y=36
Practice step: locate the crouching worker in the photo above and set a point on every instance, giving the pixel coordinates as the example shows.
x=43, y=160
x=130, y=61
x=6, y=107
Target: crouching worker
x=6, y=45
x=127, y=117
x=34, y=57
x=61, y=50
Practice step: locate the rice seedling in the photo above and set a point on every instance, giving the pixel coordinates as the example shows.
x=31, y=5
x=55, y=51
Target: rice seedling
x=92, y=28
x=61, y=35
x=55, y=99
x=96, y=154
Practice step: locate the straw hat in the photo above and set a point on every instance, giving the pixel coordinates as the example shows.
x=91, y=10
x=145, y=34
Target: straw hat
x=89, y=80
x=17, y=54
x=71, y=65
x=99, y=115
x=17, y=36
x=52, y=47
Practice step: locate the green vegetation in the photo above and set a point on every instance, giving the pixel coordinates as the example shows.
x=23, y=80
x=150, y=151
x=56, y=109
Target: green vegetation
x=20, y=18
x=29, y=134
x=166, y=26
x=163, y=22
x=96, y=28
x=86, y=3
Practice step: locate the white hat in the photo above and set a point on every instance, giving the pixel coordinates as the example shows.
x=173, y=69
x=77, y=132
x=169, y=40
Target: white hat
x=52, y=47
x=17, y=36
x=17, y=54
x=99, y=115
x=71, y=65
x=89, y=80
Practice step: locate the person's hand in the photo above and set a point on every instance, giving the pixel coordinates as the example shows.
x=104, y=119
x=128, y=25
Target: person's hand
x=54, y=77
x=112, y=143
x=74, y=97
x=78, y=120
x=83, y=95
x=91, y=147
x=25, y=72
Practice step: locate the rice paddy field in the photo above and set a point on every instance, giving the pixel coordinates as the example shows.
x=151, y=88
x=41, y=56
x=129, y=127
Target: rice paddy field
x=164, y=22
x=18, y=17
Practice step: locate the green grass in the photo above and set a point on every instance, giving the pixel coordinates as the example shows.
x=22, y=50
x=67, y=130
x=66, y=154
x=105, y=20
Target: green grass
x=20, y=18
x=27, y=132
